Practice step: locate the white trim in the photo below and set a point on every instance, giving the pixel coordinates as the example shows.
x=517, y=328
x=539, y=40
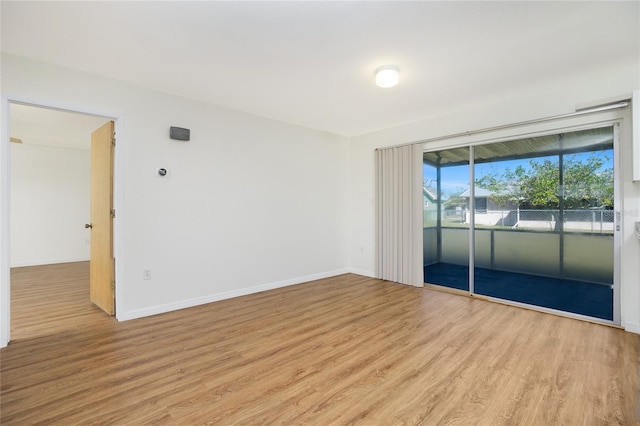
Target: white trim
x=189, y=303
x=603, y=102
x=60, y=106
x=118, y=203
x=618, y=208
x=632, y=327
x=605, y=119
x=5, y=292
x=635, y=134
x=49, y=262
x=118, y=194
x=362, y=272
x=520, y=124
x=472, y=221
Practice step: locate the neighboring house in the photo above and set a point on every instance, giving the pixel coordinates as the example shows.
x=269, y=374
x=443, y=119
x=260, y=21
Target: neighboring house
x=430, y=199
x=483, y=200
x=430, y=212
x=488, y=212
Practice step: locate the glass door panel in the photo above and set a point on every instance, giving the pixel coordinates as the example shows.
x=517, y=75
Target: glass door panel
x=588, y=226
x=446, y=218
x=543, y=216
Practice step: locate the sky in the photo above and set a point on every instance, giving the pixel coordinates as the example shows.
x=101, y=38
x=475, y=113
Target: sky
x=455, y=179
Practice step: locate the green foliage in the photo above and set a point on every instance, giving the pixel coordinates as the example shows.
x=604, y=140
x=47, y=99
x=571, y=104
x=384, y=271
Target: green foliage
x=455, y=199
x=506, y=188
x=585, y=184
x=542, y=184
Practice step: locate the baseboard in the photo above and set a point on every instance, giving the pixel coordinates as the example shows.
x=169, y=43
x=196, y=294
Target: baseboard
x=361, y=272
x=632, y=327
x=189, y=303
x=47, y=262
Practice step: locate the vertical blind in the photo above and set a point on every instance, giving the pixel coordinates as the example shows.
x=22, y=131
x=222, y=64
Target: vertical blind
x=399, y=207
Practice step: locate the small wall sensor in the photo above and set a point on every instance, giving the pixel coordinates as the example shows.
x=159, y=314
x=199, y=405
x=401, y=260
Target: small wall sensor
x=162, y=172
x=179, y=134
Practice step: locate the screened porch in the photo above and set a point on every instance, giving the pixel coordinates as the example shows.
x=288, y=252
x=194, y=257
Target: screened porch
x=537, y=226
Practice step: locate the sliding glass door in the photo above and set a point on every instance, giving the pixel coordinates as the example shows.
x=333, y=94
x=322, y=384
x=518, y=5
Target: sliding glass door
x=446, y=218
x=541, y=217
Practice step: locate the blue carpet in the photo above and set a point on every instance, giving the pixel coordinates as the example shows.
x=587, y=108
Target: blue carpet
x=594, y=300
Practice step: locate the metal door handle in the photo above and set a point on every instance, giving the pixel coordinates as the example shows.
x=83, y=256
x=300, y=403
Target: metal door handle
x=88, y=225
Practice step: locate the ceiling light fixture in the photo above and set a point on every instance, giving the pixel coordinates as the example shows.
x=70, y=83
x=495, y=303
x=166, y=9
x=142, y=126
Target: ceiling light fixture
x=387, y=76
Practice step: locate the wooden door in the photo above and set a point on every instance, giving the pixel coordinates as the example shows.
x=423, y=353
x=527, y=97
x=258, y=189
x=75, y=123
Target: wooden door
x=101, y=269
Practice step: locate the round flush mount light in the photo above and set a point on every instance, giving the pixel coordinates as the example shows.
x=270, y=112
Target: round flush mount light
x=387, y=76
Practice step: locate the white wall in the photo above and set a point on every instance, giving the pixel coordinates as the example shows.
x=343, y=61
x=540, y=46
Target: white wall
x=250, y=203
x=49, y=204
x=553, y=98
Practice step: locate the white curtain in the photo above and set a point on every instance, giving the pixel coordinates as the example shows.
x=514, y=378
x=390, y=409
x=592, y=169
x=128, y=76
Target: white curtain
x=399, y=207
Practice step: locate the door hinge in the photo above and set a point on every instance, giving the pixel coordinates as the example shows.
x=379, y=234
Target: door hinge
x=113, y=139
x=113, y=285
x=113, y=214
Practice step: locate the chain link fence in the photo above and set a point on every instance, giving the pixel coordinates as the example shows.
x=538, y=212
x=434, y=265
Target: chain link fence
x=592, y=221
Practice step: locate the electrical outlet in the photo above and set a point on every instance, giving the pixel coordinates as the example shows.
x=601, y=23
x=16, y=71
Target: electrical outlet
x=146, y=274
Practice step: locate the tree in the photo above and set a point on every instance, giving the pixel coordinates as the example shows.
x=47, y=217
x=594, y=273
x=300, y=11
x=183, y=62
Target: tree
x=585, y=184
x=506, y=189
x=455, y=199
x=542, y=184
x=429, y=183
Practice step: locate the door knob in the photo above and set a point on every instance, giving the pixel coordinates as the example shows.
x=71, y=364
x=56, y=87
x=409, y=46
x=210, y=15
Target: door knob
x=88, y=225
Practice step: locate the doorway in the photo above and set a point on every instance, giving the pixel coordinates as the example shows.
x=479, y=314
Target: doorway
x=536, y=227
x=50, y=156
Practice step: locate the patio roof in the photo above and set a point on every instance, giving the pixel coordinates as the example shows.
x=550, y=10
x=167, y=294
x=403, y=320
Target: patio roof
x=539, y=146
x=430, y=194
x=479, y=192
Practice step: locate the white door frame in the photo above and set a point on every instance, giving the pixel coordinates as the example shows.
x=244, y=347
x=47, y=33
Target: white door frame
x=5, y=266
x=617, y=224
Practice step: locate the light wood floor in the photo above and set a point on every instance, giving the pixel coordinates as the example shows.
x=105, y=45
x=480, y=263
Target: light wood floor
x=344, y=350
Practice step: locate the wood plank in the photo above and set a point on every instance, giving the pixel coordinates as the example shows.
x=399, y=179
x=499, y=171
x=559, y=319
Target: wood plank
x=343, y=350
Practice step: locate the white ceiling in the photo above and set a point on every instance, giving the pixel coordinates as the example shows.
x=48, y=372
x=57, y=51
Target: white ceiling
x=312, y=63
